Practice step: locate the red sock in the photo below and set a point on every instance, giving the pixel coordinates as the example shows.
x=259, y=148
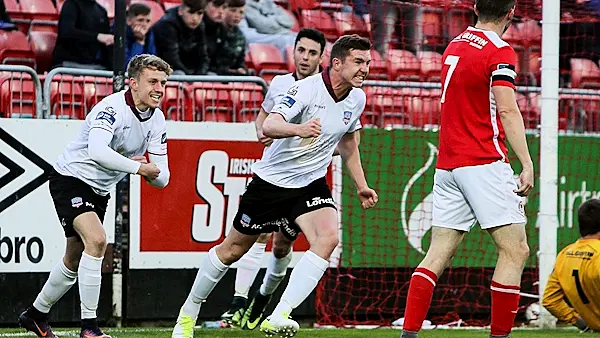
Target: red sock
x=418, y=300
x=505, y=303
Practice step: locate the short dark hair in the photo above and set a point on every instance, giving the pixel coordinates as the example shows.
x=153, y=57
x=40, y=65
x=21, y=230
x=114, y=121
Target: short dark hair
x=342, y=47
x=493, y=10
x=312, y=34
x=147, y=61
x=236, y=3
x=194, y=5
x=588, y=215
x=136, y=9
x=218, y=3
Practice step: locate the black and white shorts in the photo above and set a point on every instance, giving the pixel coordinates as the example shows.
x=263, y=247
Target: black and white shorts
x=73, y=197
x=266, y=208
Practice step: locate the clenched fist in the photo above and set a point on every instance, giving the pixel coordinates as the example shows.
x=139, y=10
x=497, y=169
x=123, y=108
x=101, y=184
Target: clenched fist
x=311, y=128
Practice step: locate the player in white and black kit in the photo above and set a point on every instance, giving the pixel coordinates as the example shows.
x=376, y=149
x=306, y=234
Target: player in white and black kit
x=308, y=55
x=288, y=192
x=111, y=144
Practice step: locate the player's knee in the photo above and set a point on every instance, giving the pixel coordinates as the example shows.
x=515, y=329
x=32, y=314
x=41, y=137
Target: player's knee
x=327, y=243
x=229, y=254
x=263, y=238
x=96, y=244
x=518, y=252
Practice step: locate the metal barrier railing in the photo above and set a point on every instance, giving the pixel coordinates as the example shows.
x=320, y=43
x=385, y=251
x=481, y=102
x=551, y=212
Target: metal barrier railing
x=22, y=99
x=187, y=97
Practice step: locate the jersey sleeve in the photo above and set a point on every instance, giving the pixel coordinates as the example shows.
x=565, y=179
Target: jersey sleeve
x=554, y=301
x=105, y=117
x=356, y=125
x=158, y=141
x=294, y=101
x=269, y=101
x=502, y=67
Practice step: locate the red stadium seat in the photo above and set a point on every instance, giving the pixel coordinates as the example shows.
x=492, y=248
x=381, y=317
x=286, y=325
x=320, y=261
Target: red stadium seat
x=156, y=9
x=42, y=44
x=169, y=5
x=458, y=21
x=584, y=73
x=15, y=49
x=579, y=112
x=403, y=64
x=247, y=99
x=326, y=55
x=431, y=65
x=350, y=23
x=212, y=101
x=176, y=104
x=17, y=95
x=289, y=58
x=95, y=89
x=432, y=28
x=66, y=98
x=321, y=21
x=267, y=60
x=43, y=26
x=109, y=5
x=378, y=68
x=38, y=9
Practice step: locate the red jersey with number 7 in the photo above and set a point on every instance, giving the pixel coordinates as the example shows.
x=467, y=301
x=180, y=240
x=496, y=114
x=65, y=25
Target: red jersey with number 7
x=471, y=132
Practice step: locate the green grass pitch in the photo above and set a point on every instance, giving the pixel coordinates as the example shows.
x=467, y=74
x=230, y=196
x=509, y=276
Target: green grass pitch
x=307, y=333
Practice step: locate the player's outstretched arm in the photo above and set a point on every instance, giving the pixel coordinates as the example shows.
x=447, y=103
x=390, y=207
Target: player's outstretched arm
x=101, y=153
x=554, y=301
x=512, y=121
x=260, y=120
x=348, y=148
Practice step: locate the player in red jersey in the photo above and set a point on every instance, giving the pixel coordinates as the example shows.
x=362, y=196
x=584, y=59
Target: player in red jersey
x=473, y=179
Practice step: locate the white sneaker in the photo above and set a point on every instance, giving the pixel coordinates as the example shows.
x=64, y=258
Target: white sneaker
x=280, y=325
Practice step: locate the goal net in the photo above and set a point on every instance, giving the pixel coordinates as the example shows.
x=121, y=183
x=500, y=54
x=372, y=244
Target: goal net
x=381, y=247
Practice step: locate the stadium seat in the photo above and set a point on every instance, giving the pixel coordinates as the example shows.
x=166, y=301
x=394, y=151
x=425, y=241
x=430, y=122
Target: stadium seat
x=431, y=65
x=289, y=58
x=431, y=26
x=38, y=9
x=326, y=55
x=17, y=95
x=580, y=113
x=584, y=73
x=95, y=89
x=529, y=112
x=320, y=20
x=531, y=32
x=66, y=98
x=211, y=101
x=169, y=5
x=176, y=104
x=350, y=23
x=378, y=68
x=247, y=99
x=15, y=49
x=42, y=44
x=109, y=5
x=59, y=4
x=403, y=65
x=458, y=20
x=267, y=60
x=296, y=26
x=43, y=26
x=156, y=9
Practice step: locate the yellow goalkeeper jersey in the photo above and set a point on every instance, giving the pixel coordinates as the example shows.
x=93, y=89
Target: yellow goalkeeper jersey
x=576, y=281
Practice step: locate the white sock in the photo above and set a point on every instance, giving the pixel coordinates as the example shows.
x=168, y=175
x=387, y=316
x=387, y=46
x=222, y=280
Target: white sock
x=304, y=278
x=61, y=279
x=276, y=270
x=210, y=273
x=90, y=278
x=248, y=268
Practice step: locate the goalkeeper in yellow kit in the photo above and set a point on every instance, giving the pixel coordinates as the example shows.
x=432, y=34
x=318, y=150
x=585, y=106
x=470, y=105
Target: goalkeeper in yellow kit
x=572, y=294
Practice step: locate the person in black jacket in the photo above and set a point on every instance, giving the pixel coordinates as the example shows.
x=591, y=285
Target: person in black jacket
x=180, y=39
x=84, y=39
x=213, y=26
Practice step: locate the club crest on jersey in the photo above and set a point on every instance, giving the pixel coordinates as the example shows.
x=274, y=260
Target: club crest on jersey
x=245, y=220
x=76, y=202
x=106, y=116
x=347, y=116
x=293, y=90
x=288, y=101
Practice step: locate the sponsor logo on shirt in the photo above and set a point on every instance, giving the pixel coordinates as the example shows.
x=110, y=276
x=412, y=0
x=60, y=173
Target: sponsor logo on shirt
x=288, y=101
x=293, y=90
x=76, y=202
x=106, y=116
x=347, y=116
x=505, y=66
x=163, y=139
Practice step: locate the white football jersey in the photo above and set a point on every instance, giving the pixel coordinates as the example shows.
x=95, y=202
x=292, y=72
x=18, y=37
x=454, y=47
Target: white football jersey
x=295, y=162
x=277, y=89
x=133, y=135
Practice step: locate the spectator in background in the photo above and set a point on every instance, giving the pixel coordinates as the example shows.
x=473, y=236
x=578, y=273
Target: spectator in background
x=229, y=58
x=6, y=22
x=389, y=17
x=84, y=39
x=213, y=26
x=139, y=39
x=266, y=22
x=180, y=38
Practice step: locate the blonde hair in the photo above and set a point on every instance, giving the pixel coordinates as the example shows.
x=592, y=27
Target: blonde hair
x=147, y=61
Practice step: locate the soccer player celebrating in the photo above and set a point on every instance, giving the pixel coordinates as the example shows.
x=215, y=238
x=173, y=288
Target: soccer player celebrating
x=473, y=179
x=288, y=192
x=572, y=293
x=308, y=54
x=111, y=144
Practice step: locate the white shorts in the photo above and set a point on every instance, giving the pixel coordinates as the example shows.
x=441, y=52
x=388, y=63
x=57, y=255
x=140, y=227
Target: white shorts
x=483, y=193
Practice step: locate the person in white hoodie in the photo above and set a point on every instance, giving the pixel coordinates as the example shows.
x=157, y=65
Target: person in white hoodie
x=266, y=22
